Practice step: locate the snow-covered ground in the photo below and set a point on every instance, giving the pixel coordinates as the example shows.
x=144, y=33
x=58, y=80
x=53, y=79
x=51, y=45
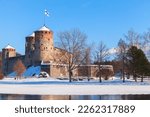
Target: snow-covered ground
x=51, y=86
x=31, y=71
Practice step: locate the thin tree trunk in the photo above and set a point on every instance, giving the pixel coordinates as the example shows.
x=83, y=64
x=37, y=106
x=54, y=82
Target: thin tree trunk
x=123, y=69
x=70, y=74
x=123, y=76
x=100, y=74
x=135, y=78
x=142, y=78
x=100, y=79
x=128, y=76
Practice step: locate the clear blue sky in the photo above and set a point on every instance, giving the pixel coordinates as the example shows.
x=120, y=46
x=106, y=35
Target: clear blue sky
x=101, y=20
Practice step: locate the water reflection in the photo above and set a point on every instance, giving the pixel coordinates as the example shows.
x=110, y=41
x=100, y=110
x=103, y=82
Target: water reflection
x=73, y=97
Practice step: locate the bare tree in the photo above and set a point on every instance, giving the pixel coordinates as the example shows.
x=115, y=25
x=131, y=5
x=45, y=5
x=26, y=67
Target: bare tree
x=146, y=43
x=101, y=54
x=73, y=43
x=19, y=68
x=146, y=37
x=133, y=38
x=121, y=54
x=88, y=62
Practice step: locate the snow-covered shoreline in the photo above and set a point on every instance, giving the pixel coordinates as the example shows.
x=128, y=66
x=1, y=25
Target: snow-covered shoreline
x=57, y=87
x=73, y=89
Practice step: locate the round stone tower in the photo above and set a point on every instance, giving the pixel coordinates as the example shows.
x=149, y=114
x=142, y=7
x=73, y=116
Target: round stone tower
x=43, y=45
x=29, y=49
x=8, y=52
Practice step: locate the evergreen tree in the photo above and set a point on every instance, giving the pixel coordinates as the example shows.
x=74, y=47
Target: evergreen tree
x=143, y=65
x=138, y=63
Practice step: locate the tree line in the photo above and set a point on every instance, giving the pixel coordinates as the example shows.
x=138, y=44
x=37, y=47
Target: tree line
x=131, y=55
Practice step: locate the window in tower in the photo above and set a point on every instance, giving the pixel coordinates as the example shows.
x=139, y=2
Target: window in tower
x=32, y=48
x=7, y=54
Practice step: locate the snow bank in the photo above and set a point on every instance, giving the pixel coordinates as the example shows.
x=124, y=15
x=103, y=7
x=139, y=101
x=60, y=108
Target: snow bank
x=49, y=86
x=31, y=71
x=63, y=89
x=12, y=74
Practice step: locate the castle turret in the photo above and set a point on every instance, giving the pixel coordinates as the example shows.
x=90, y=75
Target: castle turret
x=7, y=52
x=43, y=45
x=29, y=49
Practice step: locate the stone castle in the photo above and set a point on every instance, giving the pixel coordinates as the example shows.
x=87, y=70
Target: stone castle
x=40, y=51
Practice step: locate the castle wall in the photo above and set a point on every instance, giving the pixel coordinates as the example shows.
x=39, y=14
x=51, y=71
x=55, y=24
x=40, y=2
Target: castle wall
x=60, y=70
x=106, y=71
x=84, y=71
x=10, y=62
x=46, y=68
x=94, y=71
x=59, y=56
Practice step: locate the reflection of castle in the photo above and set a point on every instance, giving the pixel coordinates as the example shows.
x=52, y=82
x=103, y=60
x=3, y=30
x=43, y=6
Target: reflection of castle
x=40, y=51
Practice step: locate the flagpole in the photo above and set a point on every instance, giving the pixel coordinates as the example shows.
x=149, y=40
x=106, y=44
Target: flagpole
x=44, y=17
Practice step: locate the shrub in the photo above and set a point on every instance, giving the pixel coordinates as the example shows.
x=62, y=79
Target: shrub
x=1, y=75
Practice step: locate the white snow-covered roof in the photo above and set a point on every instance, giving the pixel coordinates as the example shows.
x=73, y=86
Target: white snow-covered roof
x=32, y=35
x=9, y=47
x=44, y=28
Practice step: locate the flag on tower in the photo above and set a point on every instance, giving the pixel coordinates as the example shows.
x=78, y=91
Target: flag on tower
x=46, y=13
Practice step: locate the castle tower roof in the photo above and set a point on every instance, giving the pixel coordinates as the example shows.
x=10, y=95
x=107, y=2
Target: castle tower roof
x=32, y=35
x=44, y=28
x=9, y=47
